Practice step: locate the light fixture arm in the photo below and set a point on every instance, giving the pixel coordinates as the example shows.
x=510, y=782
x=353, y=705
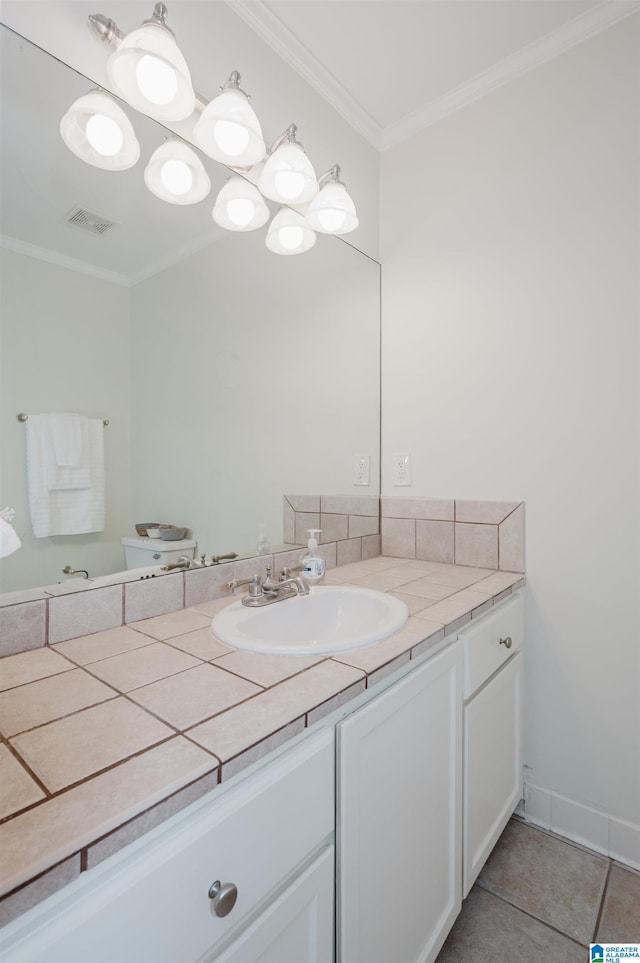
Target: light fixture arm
x=106, y=29
x=233, y=83
x=109, y=32
x=287, y=137
x=159, y=18
x=332, y=176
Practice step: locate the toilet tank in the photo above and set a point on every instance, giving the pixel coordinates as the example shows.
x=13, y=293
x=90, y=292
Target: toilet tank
x=141, y=552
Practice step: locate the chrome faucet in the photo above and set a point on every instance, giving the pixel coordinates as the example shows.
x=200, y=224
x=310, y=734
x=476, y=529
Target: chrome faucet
x=264, y=592
x=69, y=570
x=182, y=562
x=276, y=585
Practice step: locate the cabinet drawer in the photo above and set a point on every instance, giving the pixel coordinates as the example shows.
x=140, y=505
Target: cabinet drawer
x=152, y=906
x=484, y=652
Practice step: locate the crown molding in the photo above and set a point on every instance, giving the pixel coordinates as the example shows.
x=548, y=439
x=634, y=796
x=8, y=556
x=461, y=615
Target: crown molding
x=179, y=254
x=61, y=260
x=267, y=25
x=534, y=55
x=273, y=31
x=126, y=280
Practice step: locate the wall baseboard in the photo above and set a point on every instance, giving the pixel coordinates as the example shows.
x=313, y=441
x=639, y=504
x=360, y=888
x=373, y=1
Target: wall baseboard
x=616, y=838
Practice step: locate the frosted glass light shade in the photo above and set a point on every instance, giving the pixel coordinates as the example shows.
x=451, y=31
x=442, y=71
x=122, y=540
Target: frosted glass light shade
x=229, y=131
x=289, y=233
x=150, y=73
x=288, y=176
x=99, y=132
x=176, y=174
x=240, y=206
x=332, y=211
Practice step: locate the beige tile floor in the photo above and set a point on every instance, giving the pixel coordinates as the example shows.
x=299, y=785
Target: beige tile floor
x=540, y=897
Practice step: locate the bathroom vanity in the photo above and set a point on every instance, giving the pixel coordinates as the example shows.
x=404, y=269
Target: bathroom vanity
x=365, y=828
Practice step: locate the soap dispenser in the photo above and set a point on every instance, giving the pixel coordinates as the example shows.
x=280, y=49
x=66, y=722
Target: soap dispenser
x=313, y=562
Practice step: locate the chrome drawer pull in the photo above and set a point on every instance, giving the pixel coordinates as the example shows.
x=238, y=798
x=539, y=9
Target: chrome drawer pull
x=506, y=642
x=224, y=896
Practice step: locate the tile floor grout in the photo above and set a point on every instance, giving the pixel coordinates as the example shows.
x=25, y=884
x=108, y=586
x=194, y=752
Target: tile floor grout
x=540, y=891
x=533, y=916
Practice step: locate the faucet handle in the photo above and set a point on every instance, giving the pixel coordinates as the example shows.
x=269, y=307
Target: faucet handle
x=255, y=586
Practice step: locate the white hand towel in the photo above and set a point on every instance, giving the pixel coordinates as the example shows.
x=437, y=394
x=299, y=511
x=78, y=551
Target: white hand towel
x=69, y=511
x=68, y=454
x=66, y=437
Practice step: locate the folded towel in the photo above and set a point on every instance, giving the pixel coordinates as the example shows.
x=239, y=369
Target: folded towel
x=65, y=511
x=68, y=454
x=66, y=437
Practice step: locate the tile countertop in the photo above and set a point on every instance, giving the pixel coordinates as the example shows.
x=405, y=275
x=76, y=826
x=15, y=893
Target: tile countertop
x=106, y=735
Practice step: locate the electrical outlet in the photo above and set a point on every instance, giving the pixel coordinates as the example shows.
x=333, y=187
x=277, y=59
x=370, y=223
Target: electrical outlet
x=401, y=468
x=362, y=469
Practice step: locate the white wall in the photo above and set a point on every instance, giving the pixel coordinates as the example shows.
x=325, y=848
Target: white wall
x=510, y=248
x=65, y=347
x=216, y=41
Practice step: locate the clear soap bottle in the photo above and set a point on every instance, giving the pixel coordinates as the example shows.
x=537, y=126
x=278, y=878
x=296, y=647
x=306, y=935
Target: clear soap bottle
x=263, y=544
x=314, y=565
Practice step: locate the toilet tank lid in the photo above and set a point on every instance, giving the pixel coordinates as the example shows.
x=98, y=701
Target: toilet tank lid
x=158, y=544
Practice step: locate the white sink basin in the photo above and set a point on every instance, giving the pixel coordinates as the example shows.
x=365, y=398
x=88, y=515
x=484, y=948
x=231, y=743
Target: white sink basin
x=329, y=619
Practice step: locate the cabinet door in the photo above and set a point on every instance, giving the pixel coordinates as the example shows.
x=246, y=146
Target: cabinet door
x=297, y=927
x=492, y=764
x=399, y=818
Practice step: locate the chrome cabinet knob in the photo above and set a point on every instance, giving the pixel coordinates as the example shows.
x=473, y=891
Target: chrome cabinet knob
x=224, y=896
x=506, y=642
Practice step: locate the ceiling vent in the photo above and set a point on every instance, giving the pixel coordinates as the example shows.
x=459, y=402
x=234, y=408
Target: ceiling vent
x=88, y=221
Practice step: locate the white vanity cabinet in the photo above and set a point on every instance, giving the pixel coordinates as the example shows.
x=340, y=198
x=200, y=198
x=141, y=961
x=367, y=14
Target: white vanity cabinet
x=399, y=817
x=493, y=661
x=270, y=836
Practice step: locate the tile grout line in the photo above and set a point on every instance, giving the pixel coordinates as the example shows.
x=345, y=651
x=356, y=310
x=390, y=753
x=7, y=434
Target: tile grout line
x=602, y=900
x=531, y=915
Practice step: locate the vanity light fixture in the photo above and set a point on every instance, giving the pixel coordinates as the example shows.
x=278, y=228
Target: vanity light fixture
x=240, y=206
x=332, y=211
x=288, y=175
x=289, y=233
x=228, y=129
x=176, y=174
x=99, y=132
x=150, y=73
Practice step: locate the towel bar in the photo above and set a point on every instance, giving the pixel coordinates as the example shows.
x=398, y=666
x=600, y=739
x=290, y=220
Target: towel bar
x=21, y=416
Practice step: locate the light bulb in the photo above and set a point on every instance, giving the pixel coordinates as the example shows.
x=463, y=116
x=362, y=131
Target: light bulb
x=232, y=139
x=156, y=80
x=289, y=184
x=104, y=135
x=289, y=234
x=290, y=237
x=176, y=177
x=240, y=211
x=332, y=211
x=331, y=221
x=99, y=132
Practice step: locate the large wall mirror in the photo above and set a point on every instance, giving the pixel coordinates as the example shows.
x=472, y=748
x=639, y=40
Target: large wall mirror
x=228, y=375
